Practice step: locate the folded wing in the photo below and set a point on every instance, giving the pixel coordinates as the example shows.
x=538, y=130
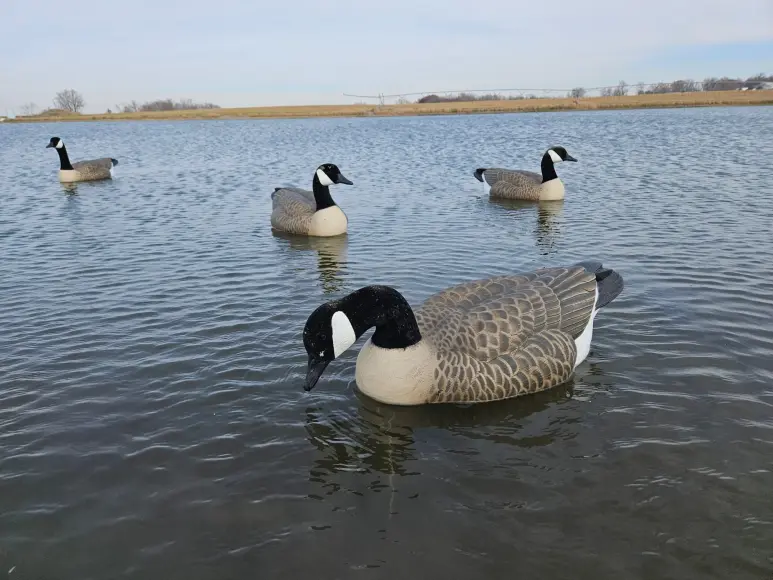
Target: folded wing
x=292, y=209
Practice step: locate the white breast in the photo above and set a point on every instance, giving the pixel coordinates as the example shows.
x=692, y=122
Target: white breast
x=68, y=175
x=552, y=190
x=330, y=221
x=399, y=376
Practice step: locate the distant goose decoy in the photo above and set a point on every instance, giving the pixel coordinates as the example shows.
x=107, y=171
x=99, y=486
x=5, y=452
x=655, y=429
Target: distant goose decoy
x=90, y=170
x=310, y=213
x=484, y=340
x=527, y=185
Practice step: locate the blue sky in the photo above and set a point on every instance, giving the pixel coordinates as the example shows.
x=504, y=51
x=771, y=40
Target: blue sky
x=243, y=53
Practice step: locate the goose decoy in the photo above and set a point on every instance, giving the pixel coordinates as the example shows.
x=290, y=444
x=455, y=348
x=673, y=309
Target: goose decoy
x=90, y=170
x=310, y=213
x=484, y=340
x=527, y=185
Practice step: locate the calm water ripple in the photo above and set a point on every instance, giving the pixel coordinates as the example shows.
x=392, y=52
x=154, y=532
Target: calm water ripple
x=152, y=417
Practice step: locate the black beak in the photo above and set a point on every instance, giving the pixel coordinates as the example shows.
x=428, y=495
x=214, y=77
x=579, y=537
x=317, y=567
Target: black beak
x=316, y=367
x=49, y=145
x=342, y=179
x=569, y=158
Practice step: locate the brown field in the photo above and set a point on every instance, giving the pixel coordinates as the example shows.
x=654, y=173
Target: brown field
x=698, y=99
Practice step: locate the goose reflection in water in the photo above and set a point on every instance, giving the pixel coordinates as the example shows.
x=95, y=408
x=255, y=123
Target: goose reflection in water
x=549, y=217
x=372, y=437
x=69, y=188
x=549, y=222
x=331, y=256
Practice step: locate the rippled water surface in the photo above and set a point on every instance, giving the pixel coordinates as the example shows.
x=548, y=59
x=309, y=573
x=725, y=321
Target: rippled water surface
x=152, y=418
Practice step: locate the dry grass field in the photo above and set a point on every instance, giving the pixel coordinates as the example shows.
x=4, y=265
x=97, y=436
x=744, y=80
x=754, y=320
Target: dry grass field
x=669, y=100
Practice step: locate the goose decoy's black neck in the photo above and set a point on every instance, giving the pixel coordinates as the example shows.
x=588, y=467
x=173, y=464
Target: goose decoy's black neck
x=64, y=159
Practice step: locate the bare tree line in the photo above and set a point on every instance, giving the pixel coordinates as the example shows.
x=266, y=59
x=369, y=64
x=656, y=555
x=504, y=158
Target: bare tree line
x=461, y=97
x=28, y=109
x=164, y=105
x=620, y=90
x=681, y=86
x=72, y=101
x=68, y=100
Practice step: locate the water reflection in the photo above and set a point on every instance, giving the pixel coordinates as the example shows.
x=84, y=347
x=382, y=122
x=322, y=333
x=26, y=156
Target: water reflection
x=72, y=211
x=99, y=184
x=512, y=204
x=374, y=437
x=549, y=220
x=331, y=256
x=548, y=229
x=354, y=442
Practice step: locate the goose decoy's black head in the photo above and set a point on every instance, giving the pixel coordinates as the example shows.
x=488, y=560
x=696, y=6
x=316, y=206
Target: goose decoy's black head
x=318, y=339
x=333, y=327
x=329, y=174
x=55, y=142
x=558, y=154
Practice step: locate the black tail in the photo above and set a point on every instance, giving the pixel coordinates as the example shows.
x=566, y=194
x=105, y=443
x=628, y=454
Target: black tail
x=115, y=161
x=610, y=283
x=479, y=174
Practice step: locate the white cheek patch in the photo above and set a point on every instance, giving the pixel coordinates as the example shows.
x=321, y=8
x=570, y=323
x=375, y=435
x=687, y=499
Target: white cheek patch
x=323, y=178
x=60, y=144
x=343, y=333
x=555, y=156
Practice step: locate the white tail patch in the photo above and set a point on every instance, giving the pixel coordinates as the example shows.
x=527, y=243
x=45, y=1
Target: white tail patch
x=554, y=156
x=343, y=333
x=323, y=178
x=583, y=341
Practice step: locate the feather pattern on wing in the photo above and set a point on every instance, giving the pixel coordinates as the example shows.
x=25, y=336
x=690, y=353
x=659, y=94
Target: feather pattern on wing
x=292, y=209
x=508, y=335
x=518, y=186
x=496, y=174
x=94, y=168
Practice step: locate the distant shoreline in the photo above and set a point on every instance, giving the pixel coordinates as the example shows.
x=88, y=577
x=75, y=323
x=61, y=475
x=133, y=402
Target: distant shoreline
x=667, y=100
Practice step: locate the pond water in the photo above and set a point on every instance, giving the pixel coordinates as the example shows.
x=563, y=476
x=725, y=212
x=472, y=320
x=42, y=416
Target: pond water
x=152, y=418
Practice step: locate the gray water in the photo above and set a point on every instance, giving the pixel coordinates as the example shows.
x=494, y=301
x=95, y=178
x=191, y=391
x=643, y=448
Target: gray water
x=152, y=418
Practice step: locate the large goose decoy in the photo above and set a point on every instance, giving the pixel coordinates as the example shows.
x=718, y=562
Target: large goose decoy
x=90, y=170
x=310, y=213
x=478, y=341
x=527, y=185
